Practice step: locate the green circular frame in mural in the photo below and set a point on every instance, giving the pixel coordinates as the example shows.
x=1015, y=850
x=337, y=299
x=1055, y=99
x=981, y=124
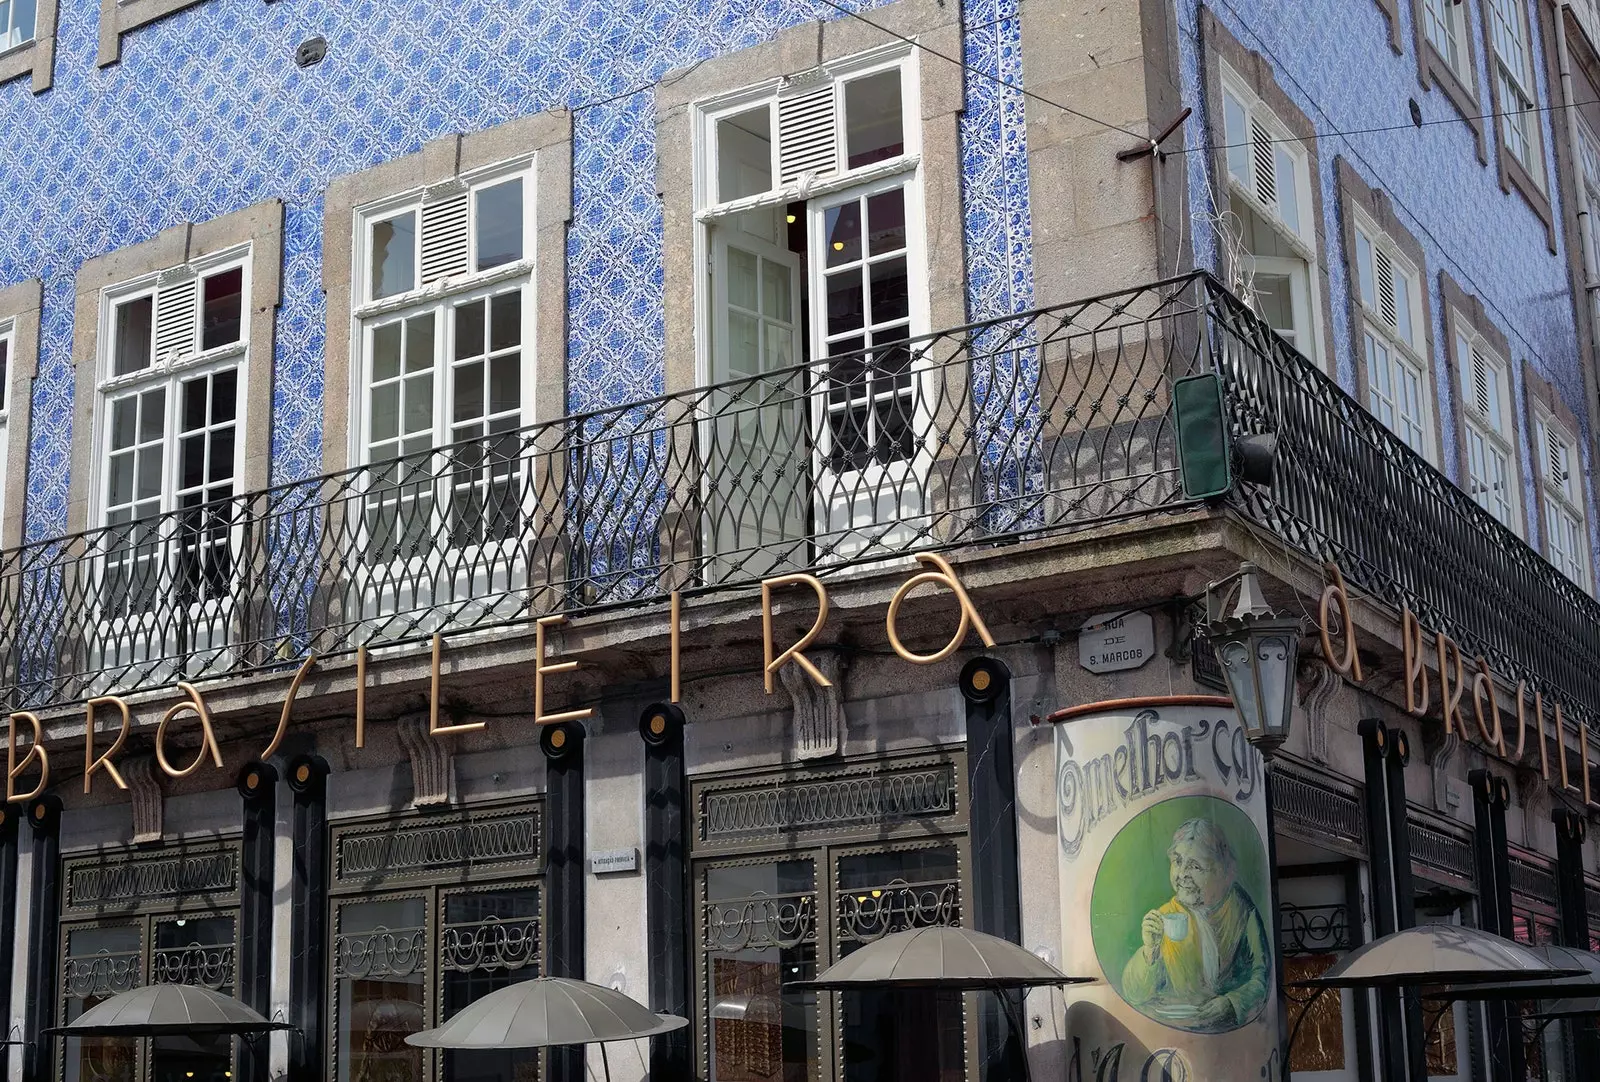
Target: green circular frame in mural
x=1178, y=915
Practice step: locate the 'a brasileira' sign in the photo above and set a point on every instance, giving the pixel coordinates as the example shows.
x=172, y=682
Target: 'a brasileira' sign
x=1165, y=894
x=192, y=707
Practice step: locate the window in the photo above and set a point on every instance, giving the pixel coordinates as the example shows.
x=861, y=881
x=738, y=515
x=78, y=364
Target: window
x=810, y=208
x=1396, y=369
x=1566, y=533
x=444, y=310
x=17, y=19
x=1445, y=26
x=421, y=931
x=1488, y=430
x=1514, y=84
x=174, y=358
x=1269, y=194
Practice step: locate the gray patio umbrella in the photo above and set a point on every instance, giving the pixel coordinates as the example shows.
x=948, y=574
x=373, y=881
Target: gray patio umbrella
x=1586, y=983
x=1441, y=955
x=1567, y=1008
x=165, y=1010
x=956, y=959
x=548, y=1011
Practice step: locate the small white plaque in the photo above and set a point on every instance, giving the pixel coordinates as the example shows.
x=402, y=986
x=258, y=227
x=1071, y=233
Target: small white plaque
x=610, y=861
x=1111, y=641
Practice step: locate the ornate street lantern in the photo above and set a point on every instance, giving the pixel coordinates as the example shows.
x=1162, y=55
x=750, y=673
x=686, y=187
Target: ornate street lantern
x=1257, y=650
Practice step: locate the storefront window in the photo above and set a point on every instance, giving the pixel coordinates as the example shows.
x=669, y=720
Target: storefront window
x=414, y=943
x=101, y=962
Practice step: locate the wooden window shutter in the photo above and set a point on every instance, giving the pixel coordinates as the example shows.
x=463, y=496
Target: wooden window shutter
x=1481, y=400
x=444, y=238
x=1383, y=270
x=177, y=318
x=808, y=134
x=1265, y=167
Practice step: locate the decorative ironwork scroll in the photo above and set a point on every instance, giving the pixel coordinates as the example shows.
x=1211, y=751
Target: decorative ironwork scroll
x=489, y=944
x=209, y=966
x=1315, y=929
x=848, y=800
x=381, y=953
x=1445, y=852
x=420, y=847
x=1317, y=810
x=145, y=880
x=104, y=973
x=866, y=914
x=761, y=921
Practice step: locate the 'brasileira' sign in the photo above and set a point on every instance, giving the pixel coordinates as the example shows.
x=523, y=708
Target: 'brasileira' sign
x=938, y=572
x=1455, y=685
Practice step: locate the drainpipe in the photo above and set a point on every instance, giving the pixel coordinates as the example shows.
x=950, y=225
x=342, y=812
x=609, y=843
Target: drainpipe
x=1568, y=106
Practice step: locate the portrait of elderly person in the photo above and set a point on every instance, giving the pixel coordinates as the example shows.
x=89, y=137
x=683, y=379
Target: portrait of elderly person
x=1203, y=963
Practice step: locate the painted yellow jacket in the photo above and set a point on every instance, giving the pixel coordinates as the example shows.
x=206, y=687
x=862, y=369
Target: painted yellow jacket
x=1177, y=975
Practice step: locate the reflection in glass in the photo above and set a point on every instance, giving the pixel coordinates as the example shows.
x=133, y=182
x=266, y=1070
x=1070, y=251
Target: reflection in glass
x=500, y=224
x=874, y=126
x=134, y=326
x=490, y=941
x=744, y=154
x=222, y=308
x=761, y=937
x=901, y=1033
x=380, y=967
x=394, y=255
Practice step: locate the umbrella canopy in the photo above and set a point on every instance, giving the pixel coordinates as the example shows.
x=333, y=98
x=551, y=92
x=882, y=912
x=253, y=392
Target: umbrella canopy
x=1586, y=983
x=940, y=957
x=547, y=1011
x=164, y=1010
x=1567, y=1008
x=1435, y=955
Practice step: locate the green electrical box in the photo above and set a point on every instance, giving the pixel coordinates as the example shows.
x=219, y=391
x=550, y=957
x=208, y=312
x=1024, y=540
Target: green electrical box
x=1205, y=453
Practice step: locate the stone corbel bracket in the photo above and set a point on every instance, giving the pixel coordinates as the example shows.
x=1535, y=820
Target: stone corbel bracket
x=819, y=721
x=433, y=765
x=149, y=802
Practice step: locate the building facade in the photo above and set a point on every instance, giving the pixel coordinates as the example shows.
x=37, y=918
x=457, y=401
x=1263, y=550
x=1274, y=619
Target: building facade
x=667, y=493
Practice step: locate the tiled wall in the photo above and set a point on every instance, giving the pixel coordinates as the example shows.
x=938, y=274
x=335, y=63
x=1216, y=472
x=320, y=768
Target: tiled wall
x=1333, y=58
x=206, y=113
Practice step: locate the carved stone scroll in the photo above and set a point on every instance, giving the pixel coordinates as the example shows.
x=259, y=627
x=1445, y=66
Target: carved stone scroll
x=819, y=722
x=149, y=803
x=432, y=763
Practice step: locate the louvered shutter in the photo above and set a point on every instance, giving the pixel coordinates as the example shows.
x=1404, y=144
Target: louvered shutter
x=444, y=238
x=808, y=134
x=1481, y=399
x=1264, y=165
x=1383, y=270
x=177, y=320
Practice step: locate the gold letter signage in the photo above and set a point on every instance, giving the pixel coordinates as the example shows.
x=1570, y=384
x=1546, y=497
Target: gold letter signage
x=794, y=653
x=36, y=750
x=944, y=575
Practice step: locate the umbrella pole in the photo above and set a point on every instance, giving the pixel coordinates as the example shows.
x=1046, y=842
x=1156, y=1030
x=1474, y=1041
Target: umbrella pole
x=1016, y=1027
x=1305, y=1012
x=604, y=1062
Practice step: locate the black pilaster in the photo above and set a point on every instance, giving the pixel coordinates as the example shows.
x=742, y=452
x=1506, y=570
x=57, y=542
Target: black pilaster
x=1485, y=840
x=308, y=919
x=44, y=938
x=1405, y=900
x=8, y=904
x=1517, y=1054
x=996, y=893
x=1573, y=904
x=564, y=939
x=1392, y=1043
x=258, y=791
x=666, y=882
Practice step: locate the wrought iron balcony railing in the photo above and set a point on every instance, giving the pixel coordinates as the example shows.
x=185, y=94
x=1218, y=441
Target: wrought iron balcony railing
x=1046, y=421
x=1038, y=424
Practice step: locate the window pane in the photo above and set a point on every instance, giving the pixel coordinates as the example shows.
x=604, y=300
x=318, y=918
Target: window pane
x=1402, y=306
x=394, y=255
x=842, y=233
x=505, y=383
x=419, y=343
x=133, y=335
x=385, y=422
x=386, y=351
x=742, y=279
x=500, y=224
x=152, y=414
x=744, y=154
x=1369, y=291
x=5, y=369
x=886, y=220
x=100, y=963
x=222, y=308
x=777, y=301
x=1288, y=190
x=1275, y=303
x=1236, y=132
x=380, y=965
x=874, y=126
x=22, y=22
x=490, y=940
x=124, y=411
x=224, y=395
x=891, y=298
x=194, y=405
x=468, y=391
x=469, y=329
x=505, y=321
x=844, y=302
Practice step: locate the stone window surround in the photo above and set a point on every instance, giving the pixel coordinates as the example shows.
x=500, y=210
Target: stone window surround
x=119, y=17
x=1354, y=192
x=19, y=306
x=36, y=57
x=261, y=226
x=1513, y=174
x=1465, y=311
x=1255, y=71
x=548, y=137
x=1540, y=397
x=1391, y=11
x=802, y=49
x=1433, y=69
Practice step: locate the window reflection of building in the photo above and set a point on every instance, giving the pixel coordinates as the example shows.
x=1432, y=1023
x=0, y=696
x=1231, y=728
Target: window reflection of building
x=793, y=874
x=429, y=915
x=165, y=916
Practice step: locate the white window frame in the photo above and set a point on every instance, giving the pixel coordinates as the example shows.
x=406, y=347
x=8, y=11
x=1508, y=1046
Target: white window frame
x=1447, y=20
x=1587, y=163
x=169, y=370
x=8, y=339
x=1480, y=433
x=903, y=170
x=1386, y=325
x=495, y=575
x=10, y=36
x=1300, y=236
x=1515, y=88
x=1566, y=522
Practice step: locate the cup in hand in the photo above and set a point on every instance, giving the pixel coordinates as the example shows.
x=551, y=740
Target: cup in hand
x=1176, y=926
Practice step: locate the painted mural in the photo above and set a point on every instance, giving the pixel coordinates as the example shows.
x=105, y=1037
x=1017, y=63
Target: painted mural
x=1165, y=894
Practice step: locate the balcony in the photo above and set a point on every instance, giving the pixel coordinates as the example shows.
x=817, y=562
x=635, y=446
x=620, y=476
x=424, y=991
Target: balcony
x=1024, y=428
